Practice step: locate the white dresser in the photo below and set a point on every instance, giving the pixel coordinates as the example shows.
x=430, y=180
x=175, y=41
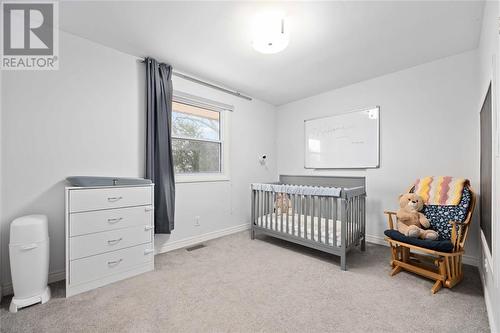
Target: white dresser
x=109, y=235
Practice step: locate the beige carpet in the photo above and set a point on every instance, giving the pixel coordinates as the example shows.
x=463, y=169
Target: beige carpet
x=267, y=285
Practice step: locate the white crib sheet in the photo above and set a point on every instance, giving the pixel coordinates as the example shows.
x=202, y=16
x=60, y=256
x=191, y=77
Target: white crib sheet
x=274, y=221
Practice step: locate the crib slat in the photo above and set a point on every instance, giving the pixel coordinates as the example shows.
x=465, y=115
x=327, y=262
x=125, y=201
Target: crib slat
x=347, y=209
x=268, y=194
x=364, y=217
x=327, y=220
x=288, y=227
x=304, y=218
x=307, y=221
x=302, y=208
x=290, y=215
x=252, y=214
x=303, y=215
x=299, y=213
x=273, y=214
x=261, y=208
x=334, y=221
x=306, y=211
x=358, y=218
x=339, y=203
x=271, y=209
x=343, y=226
x=330, y=214
x=358, y=213
x=256, y=197
x=294, y=200
x=285, y=224
x=288, y=201
x=264, y=204
x=353, y=221
x=353, y=205
x=350, y=223
x=334, y=209
x=282, y=205
x=295, y=211
x=320, y=219
x=313, y=215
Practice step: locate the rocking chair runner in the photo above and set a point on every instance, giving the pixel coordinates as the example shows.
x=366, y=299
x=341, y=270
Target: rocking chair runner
x=443, y=267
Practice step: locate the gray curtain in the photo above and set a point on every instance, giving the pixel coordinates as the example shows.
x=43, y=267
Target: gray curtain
x=159, y=159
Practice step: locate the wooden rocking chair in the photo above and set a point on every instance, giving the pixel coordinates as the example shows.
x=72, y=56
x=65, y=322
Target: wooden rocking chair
x=443, y=267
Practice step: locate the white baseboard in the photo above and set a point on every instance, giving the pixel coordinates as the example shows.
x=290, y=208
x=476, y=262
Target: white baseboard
x=469, y=260
x=170, y=246
x=53, y=277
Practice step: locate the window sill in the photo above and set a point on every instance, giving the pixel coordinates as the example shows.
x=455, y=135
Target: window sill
x=179, y=179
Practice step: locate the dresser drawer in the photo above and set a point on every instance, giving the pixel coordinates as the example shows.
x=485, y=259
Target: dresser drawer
x=104, y=198
x=101, y=242
x=110, y=219
x=102, y=265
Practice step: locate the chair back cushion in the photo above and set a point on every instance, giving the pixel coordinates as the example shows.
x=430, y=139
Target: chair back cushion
x=440, y=216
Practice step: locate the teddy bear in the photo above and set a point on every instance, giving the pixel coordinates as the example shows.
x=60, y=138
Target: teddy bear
x=283, y=204
x=411, y=222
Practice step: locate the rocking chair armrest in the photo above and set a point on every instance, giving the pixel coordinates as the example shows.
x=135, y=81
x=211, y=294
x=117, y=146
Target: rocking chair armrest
x=457, y=232
x=390, y=220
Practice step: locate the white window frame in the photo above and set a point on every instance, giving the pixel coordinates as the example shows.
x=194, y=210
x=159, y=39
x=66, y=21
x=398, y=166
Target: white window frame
x=225, y=120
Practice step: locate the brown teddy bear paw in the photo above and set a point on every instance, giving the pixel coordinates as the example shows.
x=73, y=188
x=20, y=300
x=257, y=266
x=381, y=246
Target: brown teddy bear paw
x=431, y=235
x=413, y=232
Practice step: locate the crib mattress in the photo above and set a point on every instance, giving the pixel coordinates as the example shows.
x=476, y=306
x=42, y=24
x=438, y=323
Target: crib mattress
x=304, y=228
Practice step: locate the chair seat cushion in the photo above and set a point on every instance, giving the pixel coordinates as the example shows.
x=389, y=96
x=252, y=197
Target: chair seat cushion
x=436, y=245
x=440, y=216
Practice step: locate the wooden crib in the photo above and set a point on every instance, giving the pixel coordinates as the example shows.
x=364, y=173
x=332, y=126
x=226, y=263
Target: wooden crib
x=324, y=213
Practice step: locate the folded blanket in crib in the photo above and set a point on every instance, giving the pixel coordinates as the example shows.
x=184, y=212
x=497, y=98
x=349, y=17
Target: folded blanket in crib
x=441, y=190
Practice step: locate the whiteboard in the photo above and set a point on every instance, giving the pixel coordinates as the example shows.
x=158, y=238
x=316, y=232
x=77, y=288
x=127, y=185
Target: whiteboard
x=349, y=140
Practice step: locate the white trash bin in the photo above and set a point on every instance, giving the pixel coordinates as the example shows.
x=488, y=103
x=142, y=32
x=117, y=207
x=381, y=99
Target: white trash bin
x=29, y=261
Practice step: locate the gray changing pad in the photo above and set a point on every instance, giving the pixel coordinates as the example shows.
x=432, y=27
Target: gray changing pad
x=90, y=181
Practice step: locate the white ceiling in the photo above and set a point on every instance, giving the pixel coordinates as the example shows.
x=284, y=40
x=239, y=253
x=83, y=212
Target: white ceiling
x=333, y=44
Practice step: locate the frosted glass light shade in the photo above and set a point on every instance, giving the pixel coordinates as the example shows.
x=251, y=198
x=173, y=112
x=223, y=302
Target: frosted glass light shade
x=270, y=33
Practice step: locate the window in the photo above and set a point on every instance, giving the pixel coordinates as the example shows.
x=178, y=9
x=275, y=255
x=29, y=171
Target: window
x=198, y=142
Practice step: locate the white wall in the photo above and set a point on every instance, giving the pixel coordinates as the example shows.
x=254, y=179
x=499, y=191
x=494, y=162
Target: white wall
x=429, y=126
x=489, y=52
x=88, y=118
x=82, y=119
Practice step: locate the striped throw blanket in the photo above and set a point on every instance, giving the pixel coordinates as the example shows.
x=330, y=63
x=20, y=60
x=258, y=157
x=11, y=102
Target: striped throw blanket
x=442, y=190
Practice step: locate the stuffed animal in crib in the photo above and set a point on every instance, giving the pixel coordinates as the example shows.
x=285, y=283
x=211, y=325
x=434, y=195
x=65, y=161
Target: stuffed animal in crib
x=411, y=222
x=282, y=204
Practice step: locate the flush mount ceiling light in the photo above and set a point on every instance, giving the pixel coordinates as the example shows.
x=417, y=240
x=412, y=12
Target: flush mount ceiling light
x=270, y=33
